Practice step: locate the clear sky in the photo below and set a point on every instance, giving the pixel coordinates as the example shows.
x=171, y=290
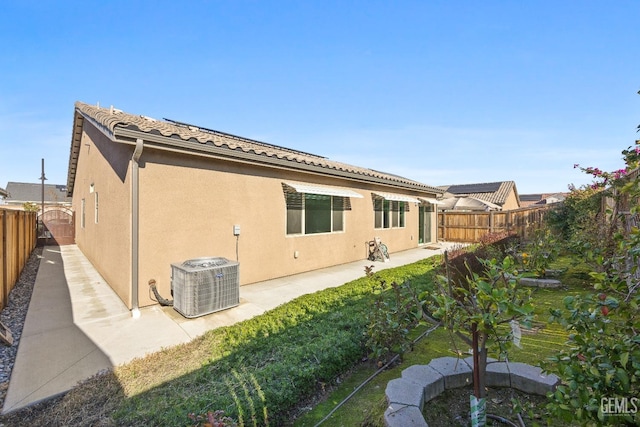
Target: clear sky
x=442, y=92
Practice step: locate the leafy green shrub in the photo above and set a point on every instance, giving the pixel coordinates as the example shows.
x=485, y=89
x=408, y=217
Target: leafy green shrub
x=602, y=361
x=394, y=313
x=539, y=251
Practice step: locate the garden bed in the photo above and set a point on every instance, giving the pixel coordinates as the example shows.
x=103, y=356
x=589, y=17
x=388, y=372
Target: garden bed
x=451, y=408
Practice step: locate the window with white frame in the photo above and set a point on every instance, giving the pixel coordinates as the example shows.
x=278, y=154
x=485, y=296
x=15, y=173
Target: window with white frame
x=389, y=213
x=314, y=213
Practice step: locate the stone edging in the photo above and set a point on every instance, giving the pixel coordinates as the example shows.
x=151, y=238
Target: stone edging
x=421, y=383
x=540, y=283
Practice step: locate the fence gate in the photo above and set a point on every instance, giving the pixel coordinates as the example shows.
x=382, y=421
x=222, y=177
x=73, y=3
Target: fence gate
x=59, y=227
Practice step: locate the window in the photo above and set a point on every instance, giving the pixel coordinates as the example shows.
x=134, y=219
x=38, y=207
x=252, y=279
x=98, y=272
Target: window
x=82, y=211
x=314, y=213
x=389, y=213
x=96, y=208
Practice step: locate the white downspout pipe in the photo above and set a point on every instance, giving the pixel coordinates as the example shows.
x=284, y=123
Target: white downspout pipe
x=135, y=227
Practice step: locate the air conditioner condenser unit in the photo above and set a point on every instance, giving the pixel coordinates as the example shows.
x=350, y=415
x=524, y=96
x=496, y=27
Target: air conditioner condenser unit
x=205, y=285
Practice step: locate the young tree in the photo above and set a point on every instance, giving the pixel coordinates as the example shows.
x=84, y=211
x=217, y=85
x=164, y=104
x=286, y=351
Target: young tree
x=484, y=309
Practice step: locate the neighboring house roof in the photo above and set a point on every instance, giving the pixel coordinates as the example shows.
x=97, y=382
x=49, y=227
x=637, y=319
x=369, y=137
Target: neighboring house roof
x=467, y=204
x=126, y=128
x=3, y=192
x=541, y=199
x=21, y=192
x=530, y=197
x=494, y=192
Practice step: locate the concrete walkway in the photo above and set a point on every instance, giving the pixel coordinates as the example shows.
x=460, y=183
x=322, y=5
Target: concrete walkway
x=77, y=326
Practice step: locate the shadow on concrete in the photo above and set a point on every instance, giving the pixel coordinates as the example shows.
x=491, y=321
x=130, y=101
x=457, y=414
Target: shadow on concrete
x=53, y=353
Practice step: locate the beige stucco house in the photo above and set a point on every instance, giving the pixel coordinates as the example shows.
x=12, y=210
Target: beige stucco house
x=148, y=193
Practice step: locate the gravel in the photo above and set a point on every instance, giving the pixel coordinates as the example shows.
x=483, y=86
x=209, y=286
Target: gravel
x=13, y=317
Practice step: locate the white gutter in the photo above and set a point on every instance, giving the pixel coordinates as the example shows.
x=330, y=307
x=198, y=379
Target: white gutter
x=135, y=227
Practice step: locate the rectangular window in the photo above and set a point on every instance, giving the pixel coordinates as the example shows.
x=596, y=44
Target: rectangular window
x=82, y=212
x=388, y=214
x=395, y=217
x=317, y=214
x=294, y=213
x=96, y=208
x=314, y=213
x=337, y=223
x=378, y=212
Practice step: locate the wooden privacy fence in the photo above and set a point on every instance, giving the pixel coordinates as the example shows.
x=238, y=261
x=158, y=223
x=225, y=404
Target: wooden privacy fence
x=17, y=240
x=469, y=227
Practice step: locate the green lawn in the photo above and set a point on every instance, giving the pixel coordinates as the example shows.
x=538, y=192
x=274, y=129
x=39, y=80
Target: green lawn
x=368, y=405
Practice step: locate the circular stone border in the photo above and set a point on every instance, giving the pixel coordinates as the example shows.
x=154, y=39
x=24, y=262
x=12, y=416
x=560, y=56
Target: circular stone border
x=421, y=383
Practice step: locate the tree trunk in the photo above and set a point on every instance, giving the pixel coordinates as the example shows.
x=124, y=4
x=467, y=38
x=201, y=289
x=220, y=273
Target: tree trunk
x=482, y=364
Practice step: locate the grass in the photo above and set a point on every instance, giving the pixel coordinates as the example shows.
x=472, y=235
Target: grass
x=262, y=370
x=368, y=406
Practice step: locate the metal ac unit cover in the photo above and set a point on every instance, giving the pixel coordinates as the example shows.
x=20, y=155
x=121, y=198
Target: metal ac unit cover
x=204, y=285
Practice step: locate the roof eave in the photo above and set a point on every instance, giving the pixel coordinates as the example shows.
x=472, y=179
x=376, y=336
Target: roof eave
x=79, y=118
x=129, y=136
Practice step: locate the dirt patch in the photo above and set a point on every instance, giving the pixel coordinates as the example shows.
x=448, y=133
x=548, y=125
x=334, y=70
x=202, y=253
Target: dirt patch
x=451, y=408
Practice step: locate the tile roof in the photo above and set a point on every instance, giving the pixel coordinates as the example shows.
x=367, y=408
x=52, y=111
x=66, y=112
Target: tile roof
x=494, y=192
x=116, y=122
x=531, y=197
x=3, y=192
x=28, y=192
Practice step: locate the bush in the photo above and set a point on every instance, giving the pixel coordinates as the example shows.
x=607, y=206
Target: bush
x=394, y=313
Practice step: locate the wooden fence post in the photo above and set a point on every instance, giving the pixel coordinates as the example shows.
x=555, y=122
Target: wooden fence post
x=491, y=230
x=4, y=278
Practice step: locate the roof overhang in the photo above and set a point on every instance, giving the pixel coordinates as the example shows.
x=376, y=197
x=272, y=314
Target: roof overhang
x=322, y=189
x=396, y=197
x=430, y=200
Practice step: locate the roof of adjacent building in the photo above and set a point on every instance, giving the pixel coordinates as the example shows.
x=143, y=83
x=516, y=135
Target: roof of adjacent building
x=494, y=192
x=541, y=199
x=21, y=192
x=3, y=192
x=531, y=197
x=126, y=128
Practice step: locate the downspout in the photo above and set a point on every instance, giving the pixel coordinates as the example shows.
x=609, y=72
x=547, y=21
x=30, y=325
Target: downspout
x=135, y=227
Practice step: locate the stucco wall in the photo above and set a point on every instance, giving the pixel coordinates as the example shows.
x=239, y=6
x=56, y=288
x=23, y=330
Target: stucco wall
x=106, y=244
x=511, y=202
x=188, y=206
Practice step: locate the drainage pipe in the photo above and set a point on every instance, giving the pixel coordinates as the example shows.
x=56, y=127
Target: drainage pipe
x=135, y=226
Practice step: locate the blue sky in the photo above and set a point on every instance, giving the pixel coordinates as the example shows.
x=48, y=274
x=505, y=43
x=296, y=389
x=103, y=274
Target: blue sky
x=443, y=92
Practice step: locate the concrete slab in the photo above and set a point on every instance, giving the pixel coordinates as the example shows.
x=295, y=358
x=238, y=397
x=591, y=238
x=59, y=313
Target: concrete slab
x=405, y=392
x=77, y=326
x=540, y=283
x=456, y=372
x=530, y=379
x=404, y=416
x=498, y=374
x=428, y=378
